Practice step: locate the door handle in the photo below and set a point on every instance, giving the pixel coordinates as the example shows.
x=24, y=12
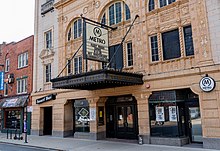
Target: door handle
x=190, y=125
x=126, y=124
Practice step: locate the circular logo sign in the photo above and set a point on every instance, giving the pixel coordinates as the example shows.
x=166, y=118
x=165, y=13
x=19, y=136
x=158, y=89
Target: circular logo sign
x=207, y=84
x=97, y=32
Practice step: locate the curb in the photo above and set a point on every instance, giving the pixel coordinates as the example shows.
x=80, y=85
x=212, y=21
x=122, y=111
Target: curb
x=31, y=146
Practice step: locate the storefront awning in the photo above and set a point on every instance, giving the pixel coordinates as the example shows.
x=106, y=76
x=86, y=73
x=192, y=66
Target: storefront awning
x=18, y=101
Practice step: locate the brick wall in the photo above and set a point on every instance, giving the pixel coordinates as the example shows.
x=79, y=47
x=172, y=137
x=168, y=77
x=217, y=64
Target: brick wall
x=11, y=51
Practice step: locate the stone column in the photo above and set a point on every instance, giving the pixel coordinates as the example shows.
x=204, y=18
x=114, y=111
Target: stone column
x=143, y=115
x=93, y=106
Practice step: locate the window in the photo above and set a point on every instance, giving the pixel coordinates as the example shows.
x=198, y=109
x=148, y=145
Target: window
x=129, y=54
x=48, y=38
x=22, y=86
x=115, y=15
x=69, y=67
x=116, y=58
x=7, y=65
x=23, y=60
x=77, y=65
x=77, y=28
x=127, y=12
x=166, y=2
x=154, y=48
x=69, y=34
x=103, y=21
x=171, y=45
x=48, y=72
x=13, y=118
x=189, y=49
x=82, y=121
x=151, y=5
x=5, y=89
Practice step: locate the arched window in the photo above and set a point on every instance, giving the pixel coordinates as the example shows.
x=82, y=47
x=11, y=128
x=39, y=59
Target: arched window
x=151, y=5
x=166, y=2
x=114, y=13
x=75, y=30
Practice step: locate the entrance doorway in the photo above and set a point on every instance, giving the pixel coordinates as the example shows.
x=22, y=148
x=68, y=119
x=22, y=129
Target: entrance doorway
x=47, y=121
x=121, y=114
x=194, y=119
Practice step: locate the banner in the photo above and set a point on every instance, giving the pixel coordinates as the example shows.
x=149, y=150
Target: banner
x=173, y=113
x=160, y=114
x=1, y=80
x=95, y=43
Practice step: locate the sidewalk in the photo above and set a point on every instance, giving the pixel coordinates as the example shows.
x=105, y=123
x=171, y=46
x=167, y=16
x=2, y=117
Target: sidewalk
x=73, y=144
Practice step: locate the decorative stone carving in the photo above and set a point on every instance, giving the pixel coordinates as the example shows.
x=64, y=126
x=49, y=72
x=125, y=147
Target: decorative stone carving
x=46, y=53
x=91, y=6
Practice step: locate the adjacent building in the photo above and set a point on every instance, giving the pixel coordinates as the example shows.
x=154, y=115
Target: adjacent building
x=16, y=60
x=158, y=81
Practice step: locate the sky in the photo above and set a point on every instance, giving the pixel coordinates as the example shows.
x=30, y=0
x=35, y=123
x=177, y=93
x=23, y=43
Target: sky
x=16, y=20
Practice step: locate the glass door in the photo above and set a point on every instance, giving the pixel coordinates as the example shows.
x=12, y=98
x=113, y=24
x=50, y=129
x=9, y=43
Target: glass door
x=194, y=120
x=195, y=124
x=125, y=122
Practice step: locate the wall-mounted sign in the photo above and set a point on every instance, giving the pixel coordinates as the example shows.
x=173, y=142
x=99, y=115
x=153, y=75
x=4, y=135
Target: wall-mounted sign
x=207, y=84
x=46, y=98
x=160, y=114
x=95, y=41
x=1, y=80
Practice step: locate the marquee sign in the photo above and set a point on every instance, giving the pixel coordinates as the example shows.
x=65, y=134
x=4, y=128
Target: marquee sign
x=207, y=84
x=95, y=41
x=1, y=80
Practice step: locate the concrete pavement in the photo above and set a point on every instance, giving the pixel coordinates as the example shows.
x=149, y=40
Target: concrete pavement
x=73, y=144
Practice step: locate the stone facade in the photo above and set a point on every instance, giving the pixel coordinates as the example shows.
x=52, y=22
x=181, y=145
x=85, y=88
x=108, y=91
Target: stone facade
x=184, y=72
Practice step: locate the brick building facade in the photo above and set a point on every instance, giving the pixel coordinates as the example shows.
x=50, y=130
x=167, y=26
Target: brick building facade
x=17, y=65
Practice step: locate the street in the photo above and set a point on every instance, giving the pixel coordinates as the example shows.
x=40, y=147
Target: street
x=12, y=147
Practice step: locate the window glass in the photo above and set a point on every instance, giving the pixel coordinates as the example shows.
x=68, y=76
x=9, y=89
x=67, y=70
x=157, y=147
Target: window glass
x=7, y=65
x=118, y=12
x=116, y=57
x=189, y=49
x=69, y=34
x=166, y=2
x=154, y=48
x=5, y=89
x=115, y=15
x=151, y=5
x=48, y=72
x=48, y=39
x=22, y=86
x=111, y=15
x=77, y=65
x=163, y=119
x=13, y=118
x=127, y=12
x=171, y=45
x=23, y=60
x=77, y=26
x=69, y=67
x=82, y=121
x=130, y=54
x=103, y=20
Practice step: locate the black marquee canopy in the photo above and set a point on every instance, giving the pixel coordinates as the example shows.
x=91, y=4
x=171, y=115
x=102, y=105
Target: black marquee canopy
x=98, y=79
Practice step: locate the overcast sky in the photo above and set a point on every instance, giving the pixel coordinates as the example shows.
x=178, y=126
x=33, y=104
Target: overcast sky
x=16, y=20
